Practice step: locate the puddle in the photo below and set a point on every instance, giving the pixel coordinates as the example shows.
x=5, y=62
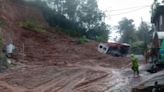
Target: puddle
x=118, y=83
x=124, y=81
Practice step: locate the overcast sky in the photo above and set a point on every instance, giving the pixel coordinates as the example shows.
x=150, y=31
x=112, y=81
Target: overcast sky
x=132, y=9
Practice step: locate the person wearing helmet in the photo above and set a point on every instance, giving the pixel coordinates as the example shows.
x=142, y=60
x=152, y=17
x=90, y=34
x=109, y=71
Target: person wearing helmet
x=135, y=65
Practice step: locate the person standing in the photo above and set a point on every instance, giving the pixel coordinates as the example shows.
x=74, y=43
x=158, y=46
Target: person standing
x=135, y=65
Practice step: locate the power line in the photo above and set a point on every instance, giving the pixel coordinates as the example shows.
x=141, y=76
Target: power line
x=128, y=11
x=129, y=8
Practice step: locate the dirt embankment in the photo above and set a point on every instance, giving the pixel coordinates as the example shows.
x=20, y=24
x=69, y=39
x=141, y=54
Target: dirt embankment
x=52, y=61
x=47, y=48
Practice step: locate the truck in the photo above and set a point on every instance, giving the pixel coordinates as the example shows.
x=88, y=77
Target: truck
x=114, y=48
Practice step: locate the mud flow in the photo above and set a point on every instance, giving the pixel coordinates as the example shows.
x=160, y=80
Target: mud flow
x=72, y=78
x=54, y=62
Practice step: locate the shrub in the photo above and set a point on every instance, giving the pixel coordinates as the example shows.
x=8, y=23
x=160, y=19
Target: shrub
x=1, y=42
x=3, y=59
x=83, y=40
x=3, y=63
x=101, y=38
x=1, y=22
x=72, y=33
x=32, y=25
x=137, y=47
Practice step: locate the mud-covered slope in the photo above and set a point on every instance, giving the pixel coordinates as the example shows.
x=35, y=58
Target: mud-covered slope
x=52, y=61
x=49, y=48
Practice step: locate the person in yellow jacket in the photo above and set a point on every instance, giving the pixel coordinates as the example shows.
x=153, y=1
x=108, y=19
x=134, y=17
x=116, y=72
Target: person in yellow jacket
x=135, y=65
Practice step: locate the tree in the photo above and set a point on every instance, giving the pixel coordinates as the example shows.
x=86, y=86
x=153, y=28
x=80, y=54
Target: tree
x=143, y=34
x=138, y=39
x=77, y=17
x=126, y=28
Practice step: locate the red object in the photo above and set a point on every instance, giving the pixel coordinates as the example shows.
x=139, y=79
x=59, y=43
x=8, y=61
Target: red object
x=117, y=45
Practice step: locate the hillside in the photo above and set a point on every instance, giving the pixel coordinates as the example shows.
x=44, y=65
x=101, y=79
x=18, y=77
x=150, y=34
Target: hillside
x=51, y=47
x=65, y=61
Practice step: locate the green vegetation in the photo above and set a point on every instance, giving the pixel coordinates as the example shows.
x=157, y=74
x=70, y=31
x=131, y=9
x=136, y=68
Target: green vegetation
x=3, y=59
x=72, y=33
x=1, y=42
x=3, y=63
x=139, y=38
x=137, y=47
x=2, y=22
x=32, y=25
x=127, y=31
x=101, y=38
x=78, y=18
x=83, y=40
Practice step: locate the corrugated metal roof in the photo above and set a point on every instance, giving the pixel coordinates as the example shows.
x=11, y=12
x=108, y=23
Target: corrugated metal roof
x=160, y=35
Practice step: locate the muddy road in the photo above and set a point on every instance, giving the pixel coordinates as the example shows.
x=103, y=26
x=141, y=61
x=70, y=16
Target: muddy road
x=71, y=78
x=54, y=62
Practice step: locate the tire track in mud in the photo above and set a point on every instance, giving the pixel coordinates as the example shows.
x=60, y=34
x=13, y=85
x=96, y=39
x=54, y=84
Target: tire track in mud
x=12, y=88
x=68, y=83
x=71, y=79
x=71, y=84
x=42, y=87
x=90, y=83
